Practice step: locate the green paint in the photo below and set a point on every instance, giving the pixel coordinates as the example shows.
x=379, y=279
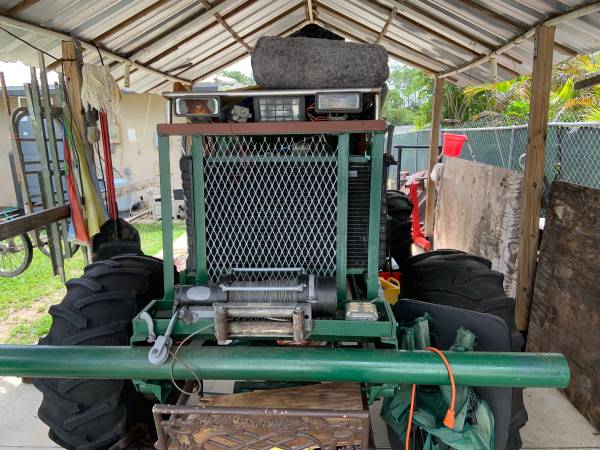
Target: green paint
x=342, y=218
x=377, y=150
x=199, y=212
x=160, y=389
x=289, y=364
x=331, y=330
x=166, y=208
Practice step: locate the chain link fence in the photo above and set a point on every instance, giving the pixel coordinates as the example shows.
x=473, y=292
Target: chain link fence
x=572, y=152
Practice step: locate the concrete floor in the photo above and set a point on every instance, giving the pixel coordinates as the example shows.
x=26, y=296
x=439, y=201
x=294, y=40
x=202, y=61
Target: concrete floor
x=553, y=422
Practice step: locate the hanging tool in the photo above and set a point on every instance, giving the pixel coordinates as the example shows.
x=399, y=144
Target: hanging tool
x=111, y=198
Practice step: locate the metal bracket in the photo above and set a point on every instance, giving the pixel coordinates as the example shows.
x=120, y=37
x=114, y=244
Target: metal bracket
x=159, y=353
x=281, y=320
x=148, y=319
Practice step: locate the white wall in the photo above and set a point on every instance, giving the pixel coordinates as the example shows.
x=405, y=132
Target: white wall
x=7, y=191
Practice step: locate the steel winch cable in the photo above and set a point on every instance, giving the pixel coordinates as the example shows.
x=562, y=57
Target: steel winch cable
x=265, y=291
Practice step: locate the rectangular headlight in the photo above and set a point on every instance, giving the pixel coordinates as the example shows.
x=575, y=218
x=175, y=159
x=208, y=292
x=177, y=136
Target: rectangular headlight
x=198, y=107
x=332, y=102
x=279, y=109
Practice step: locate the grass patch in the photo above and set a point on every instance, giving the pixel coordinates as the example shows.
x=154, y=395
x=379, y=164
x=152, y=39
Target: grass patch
x=21, y=293
x=151, y=235
x=29, y=332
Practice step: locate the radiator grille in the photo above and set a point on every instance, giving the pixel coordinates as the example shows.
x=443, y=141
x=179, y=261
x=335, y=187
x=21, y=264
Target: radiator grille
x=359, y=198
x=270, y=202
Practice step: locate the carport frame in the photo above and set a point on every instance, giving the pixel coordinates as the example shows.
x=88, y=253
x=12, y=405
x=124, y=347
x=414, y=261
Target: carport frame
x=534, y=165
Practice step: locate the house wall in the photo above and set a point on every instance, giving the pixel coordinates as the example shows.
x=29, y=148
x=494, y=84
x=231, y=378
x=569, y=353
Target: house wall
x=7, y=191
x=133, y=144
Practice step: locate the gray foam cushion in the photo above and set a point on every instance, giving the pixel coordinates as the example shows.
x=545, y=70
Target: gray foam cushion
x=299, y=62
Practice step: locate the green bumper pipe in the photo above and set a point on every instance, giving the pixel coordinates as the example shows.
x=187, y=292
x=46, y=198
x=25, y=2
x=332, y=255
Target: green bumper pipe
x=289, y=364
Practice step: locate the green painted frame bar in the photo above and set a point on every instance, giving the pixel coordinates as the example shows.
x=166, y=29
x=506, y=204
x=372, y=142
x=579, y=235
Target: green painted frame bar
x=199, y=210
x=289, y=364
x=166, y=209
x=377, y=150
x=342, y=217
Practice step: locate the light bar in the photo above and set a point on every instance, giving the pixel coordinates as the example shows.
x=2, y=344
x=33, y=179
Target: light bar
x=198, y=107
x=332, y=102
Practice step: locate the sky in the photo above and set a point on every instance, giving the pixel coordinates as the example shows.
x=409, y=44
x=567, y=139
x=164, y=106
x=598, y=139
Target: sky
x=16, y=74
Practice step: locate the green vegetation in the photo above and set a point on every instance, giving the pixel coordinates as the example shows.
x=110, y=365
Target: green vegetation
x=24, y=299
x=246, y=80
x=151, y=235
x=504, y=103
x=27, y=332
x=21, y=292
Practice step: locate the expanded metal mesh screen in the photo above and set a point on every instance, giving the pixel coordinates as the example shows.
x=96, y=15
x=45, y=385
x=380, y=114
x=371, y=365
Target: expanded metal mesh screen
x=271, y=201
x=572, y=153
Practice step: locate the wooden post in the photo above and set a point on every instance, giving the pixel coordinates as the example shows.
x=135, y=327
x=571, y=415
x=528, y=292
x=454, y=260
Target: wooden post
x=534, y=172
x=434, y=141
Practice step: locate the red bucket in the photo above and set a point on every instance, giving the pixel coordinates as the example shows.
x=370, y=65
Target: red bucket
x=453, y=144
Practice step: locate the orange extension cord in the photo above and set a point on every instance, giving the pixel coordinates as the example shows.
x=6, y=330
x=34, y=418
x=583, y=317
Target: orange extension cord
x=449, y=419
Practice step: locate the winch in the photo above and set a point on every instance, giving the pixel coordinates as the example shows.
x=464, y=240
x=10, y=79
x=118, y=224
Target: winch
x=260, y=302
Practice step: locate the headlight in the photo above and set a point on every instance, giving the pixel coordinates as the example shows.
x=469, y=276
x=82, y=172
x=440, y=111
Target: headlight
x=279, y=109
x=332, y=102
x=198, y=107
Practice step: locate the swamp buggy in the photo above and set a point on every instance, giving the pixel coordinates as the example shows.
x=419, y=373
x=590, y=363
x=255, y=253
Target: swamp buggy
x=288, y=224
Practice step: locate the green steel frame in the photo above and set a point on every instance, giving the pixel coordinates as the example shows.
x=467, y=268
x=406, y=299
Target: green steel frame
x=290, y=364
x=199, y=224
x=382, y=331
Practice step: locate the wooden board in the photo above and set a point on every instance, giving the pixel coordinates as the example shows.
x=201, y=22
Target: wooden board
x=478, y=212
x=565, y=311
x=34, y=221
x=279, y=425
x=335, y=396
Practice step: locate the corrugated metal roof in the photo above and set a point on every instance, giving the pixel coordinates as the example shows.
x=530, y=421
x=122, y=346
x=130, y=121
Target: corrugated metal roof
x=187, y=38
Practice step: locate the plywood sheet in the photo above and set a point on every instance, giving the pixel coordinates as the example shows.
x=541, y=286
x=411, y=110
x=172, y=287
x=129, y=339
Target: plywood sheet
x=565, y=311
x=478, y=212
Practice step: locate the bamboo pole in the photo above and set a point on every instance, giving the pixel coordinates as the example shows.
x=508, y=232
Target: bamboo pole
x=534, y=172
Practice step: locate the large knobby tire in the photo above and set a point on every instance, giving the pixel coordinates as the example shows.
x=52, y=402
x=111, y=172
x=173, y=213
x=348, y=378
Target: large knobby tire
x=97, y=310
x=399, y=211
x=454, y=278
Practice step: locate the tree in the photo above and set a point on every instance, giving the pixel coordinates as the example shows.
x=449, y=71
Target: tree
x=241, y=77
x=509, y=100
x=409, y=99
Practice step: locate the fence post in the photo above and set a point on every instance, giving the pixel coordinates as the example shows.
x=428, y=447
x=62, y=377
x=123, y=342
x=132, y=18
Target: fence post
x=511, y=148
